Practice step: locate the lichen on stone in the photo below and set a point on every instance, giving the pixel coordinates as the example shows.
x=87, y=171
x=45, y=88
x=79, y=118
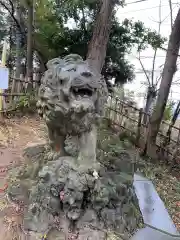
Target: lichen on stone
x=63, y=185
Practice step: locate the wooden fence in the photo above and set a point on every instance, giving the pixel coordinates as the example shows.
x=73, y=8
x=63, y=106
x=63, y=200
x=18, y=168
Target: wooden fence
x=124, y=116
x=19, y=87
x=134, y=122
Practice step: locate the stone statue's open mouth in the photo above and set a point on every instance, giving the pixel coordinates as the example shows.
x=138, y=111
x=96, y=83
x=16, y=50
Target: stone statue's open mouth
x=82, y=92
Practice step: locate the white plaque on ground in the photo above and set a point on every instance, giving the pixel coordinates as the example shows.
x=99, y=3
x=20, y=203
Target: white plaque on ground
x=152, y=208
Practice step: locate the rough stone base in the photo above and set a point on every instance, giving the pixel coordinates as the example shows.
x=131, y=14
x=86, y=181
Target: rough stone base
x=65, y=196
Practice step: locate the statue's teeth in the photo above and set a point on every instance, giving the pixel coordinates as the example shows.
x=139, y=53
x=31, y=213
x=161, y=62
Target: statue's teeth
x=95, y=174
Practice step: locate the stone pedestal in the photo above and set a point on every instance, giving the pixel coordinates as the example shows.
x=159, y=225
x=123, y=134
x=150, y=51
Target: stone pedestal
x=64, y=197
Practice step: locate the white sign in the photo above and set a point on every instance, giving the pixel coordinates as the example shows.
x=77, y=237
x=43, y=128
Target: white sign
x=4, y=78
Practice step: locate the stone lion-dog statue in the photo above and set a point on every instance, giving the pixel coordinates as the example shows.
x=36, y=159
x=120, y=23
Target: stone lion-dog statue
x=71, y=100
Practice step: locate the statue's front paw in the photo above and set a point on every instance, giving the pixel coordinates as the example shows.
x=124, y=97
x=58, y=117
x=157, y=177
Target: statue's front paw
x=52, y=155
x=84, y=166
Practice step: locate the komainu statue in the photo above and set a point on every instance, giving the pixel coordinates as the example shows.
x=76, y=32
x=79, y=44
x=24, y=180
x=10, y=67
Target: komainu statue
x=72, y=99
x=72, y=197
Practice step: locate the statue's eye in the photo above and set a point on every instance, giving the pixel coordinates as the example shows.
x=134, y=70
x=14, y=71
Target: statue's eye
x=72, y=70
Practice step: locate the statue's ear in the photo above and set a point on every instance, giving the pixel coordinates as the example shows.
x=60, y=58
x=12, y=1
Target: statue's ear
x=73, y=58
x=53, y=63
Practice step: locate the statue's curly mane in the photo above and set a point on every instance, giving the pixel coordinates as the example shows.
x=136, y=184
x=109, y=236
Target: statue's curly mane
x=58, y=81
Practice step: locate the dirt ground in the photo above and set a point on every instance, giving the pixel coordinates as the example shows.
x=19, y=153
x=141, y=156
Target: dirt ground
x=17, y=133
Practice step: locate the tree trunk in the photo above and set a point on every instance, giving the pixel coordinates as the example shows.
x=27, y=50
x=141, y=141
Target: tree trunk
x=18, y=56
x=167, y=76
x=18, y=47
x=173, y=121
x=151, y=96
x=30, y=43
x=42, y=61
x=98, y=44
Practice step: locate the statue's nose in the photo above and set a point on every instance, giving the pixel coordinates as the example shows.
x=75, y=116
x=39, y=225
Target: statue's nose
x=66, y=94
x=86, y=74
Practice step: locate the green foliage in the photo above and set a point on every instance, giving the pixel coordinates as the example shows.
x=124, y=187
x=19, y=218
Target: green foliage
x=26, y=104
x=143, y=36
x=3, y=26
x=57, y=38
x=110, y=144
x=168, y=113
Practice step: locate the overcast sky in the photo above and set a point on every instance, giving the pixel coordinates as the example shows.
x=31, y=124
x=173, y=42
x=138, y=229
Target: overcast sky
x=148, y=12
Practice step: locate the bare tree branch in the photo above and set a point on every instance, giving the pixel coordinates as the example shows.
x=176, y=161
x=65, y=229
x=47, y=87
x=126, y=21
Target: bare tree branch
x=162, y=48
x=12, y=12
x=155, y=52
x=167, y=77
x=171, y=17
x=158, y=79
x=12, y=7
x=144, y=70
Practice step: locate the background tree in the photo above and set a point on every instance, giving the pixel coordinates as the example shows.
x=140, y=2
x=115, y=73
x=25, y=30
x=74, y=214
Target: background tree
x=167, y=77
x=123, y=36
x=98, y=45
x=53, y=36
x=151, y=80
x=30, y=13
x=3, y=25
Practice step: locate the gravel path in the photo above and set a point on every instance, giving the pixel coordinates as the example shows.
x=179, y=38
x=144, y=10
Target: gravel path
x=15, y=135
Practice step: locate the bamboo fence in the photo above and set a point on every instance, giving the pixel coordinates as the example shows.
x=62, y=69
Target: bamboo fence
x=130, y=120
x=19, y=87
x=123, y=115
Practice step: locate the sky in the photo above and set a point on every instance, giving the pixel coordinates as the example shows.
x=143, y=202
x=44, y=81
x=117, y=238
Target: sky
x=148, y=12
